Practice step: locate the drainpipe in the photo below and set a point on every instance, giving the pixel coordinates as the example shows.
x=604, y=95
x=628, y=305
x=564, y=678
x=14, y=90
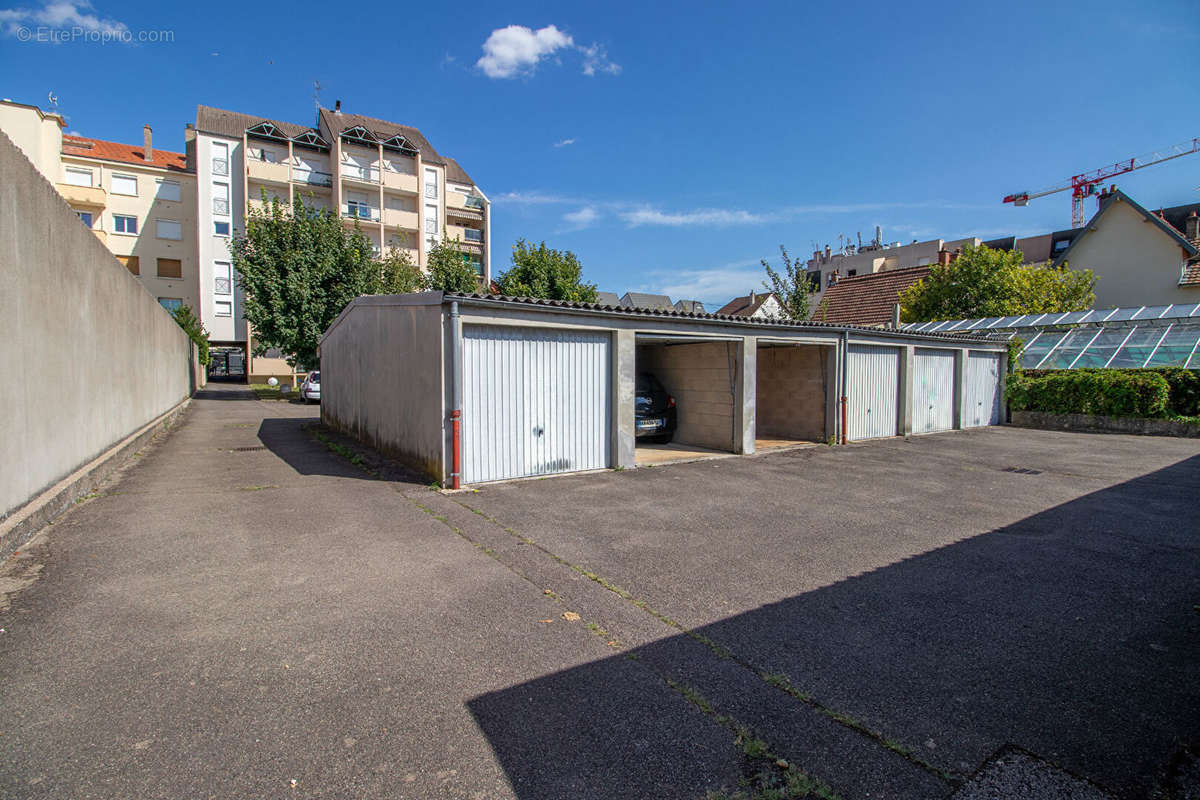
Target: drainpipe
x=456, y=403
x=845, y=367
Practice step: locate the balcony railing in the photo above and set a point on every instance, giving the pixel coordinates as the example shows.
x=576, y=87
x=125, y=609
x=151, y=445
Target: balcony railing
x=472, y=235
x=313, y=177
x=474, y=202
x=361, y=173
x=431, y=191
x=222, y=286
x=365, y=213
x=220, y=166
x=220, y=206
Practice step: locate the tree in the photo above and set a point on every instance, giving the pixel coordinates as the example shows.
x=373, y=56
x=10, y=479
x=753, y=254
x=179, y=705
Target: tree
x=983, y=282
x=186, y=318
x=793, y=288
x=450, y=268
x=539, y=271
x=298, y=267
x=399, y=274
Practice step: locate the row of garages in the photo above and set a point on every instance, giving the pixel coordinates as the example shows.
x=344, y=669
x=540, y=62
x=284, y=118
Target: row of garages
x=484, y=388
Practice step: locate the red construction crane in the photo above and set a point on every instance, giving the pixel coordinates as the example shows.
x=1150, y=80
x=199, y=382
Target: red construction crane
x=1084, y=185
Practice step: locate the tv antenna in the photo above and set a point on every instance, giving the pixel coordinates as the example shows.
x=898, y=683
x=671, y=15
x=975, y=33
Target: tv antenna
x=317, y=95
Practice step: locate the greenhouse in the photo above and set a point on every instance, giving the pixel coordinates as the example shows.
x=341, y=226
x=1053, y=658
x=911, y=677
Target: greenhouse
x=1134, y=336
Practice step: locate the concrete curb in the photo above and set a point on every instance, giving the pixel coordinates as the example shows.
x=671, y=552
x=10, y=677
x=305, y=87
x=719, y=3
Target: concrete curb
x=1139, y=426
x=24, y=523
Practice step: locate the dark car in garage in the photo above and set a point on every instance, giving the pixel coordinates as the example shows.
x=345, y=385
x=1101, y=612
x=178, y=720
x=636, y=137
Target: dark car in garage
x=654, y=410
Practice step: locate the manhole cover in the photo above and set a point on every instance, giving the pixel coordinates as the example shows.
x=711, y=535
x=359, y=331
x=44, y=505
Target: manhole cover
x=248, y=449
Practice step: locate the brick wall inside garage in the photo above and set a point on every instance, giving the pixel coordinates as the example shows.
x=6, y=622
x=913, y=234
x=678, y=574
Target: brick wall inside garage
x=791, y=392
x=699, y=377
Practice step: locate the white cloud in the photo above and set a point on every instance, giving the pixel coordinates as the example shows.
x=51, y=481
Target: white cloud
x=564, y=143
x=719, y=217
x=595, y=59
x=713, y=286
x=534, y=198
x=516, y=50
x=583, y=217
x=60, y=15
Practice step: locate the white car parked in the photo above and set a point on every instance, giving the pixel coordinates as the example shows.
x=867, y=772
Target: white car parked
x=310, y=390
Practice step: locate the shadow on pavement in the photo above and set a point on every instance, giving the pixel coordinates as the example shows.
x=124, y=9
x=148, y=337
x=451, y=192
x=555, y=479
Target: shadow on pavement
x=1072, y=633
x=210, y=392
x=292, y=439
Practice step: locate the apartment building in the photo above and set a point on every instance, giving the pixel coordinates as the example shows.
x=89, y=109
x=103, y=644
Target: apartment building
x=139, y=201
x=384, y=177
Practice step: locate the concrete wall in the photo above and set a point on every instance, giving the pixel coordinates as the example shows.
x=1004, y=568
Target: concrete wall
x=701, y=377
x=87, y=355
x=792, y=390
x=1135, y=262
x=37, y=134
x=382, y=379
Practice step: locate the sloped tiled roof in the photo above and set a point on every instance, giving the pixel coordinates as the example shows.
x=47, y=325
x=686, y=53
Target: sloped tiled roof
x=340, y=121
x=745, y=306
x=867, y=299
x=1120, y=197
x=455, y=173
x=233, y=124
x=84, y=147
x=607, y=299
x=643, y=300
x=1191, y=275
x=694, y=306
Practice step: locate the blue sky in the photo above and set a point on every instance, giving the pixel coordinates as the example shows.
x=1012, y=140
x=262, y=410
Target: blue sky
x=672, y=145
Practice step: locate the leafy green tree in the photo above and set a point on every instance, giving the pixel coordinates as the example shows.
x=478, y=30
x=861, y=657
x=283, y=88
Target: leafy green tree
x=187, y=319
x=983, y=282
x=449, y=268
x=299, y=267
x=792, y=287
x=399, y=274
x=539, y=271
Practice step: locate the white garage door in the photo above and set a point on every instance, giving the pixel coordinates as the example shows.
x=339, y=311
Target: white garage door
x=534, y=402
x=981, y=396
x=933, y=390
x=872, y=376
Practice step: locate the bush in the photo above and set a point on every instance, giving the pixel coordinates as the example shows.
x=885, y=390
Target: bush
x=1185, y=390
x=1103, y=392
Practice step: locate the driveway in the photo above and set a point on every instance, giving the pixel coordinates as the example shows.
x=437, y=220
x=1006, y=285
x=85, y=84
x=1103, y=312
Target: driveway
x=245, y=607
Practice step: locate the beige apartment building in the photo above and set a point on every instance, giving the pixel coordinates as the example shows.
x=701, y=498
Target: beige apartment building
x=139, y=201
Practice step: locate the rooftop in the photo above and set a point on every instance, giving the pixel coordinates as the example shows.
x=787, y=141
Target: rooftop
x=83, y=147
x=867, y=299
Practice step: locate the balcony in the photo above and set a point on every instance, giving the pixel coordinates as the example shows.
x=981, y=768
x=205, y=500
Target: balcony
x=312, y=177
x=267, y=171
x=401, y=181
x=470, y=237
x=356, y=172
x=88, y=196
x=220, y=166
x=395, y=218
x=360, y=213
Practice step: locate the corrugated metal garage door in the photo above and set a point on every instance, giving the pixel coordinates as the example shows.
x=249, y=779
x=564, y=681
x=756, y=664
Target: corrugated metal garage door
x=933, y=390
x=873, y=375
x=535, y=402
x=981, y=396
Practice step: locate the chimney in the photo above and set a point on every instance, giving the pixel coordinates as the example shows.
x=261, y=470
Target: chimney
x=896, y=316
x=337, y=107
x=147, y=147
x=753, y=297
x=943, y=257
x=828, y=252
x=1192, y=226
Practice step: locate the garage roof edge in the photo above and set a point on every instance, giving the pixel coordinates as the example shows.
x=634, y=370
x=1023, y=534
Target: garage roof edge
x=416, y=299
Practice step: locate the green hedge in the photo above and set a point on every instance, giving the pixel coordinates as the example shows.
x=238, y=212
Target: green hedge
x=1103, y=392
x=1183, y=397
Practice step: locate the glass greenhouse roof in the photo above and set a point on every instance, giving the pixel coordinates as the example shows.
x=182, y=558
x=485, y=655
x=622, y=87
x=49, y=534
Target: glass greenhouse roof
x=1134, y=336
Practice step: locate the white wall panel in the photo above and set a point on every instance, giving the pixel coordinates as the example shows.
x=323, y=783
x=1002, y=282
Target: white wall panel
x=981, y=395
x=535, y=402
x=873, y=375
x=933, y=390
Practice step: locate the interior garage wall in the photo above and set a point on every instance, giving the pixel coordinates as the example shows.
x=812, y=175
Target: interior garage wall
x=792, y=387
x=382, y=379
x=87, y=355
x=699, y=376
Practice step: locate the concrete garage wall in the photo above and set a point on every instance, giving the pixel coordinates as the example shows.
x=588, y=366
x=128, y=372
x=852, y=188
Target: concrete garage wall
x=700, y=377
x=792, y=388
x=382, y=380
x=87, y=355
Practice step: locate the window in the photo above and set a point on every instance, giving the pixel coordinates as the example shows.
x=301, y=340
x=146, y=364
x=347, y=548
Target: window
x=170, y=268
x=223, y=308
x=358, y=208
x=124, y=224
x=220, y=158
x=472, y=235
x=170, y=303
x=431, y=184
x=264, y=155
x=168, y=190
x=168, y=229
x=851, y=273
x=814, y=280
x=85, y=217
x=221, y=278
x=131, y=264
x=221, y=228
x=221, y=199
x=79, y=177
x=431, y=220
x=124, y=184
